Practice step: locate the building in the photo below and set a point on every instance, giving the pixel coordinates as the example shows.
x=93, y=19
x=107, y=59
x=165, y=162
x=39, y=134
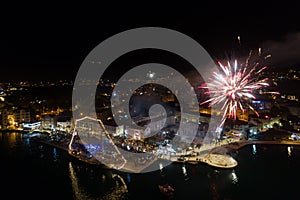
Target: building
x=64, y=121
x=12, y=118
x=29, y=126
x=49, y=121
x=8, y=119
x=22, y=116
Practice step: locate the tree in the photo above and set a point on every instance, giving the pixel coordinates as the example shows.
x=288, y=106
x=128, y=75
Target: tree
x=276, y=125
x=275, y=111
x=286, y=125
x=293, y=118
x=281, y=111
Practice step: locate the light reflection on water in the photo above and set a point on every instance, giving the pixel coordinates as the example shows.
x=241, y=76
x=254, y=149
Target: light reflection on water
x=234, y=177
x=117, y=191
x=289, y=149
x=54, y=154
x=120, y=189
x=78, y=191
x=253, y=149
x=60, y=175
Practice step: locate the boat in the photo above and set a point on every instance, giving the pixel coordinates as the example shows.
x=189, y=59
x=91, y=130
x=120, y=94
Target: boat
x=166, y=189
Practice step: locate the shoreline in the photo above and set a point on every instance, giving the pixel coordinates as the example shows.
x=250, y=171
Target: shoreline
x=215, y=157
x=65, y=148
x=218, y=156
x=240, y=144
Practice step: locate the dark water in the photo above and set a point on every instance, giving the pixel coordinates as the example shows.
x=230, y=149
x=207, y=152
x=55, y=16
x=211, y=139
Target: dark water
x=33, y=171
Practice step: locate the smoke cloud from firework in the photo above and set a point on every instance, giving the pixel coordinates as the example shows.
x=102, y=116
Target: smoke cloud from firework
x=285, y=53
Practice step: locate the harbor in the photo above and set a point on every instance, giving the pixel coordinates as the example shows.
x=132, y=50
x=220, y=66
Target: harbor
x=60, y=175
x=210, y=158
x=217, y=155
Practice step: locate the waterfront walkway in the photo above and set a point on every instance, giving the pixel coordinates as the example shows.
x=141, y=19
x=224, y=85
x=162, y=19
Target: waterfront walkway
x=216, y=160
x=240, y=144
x=215, y=155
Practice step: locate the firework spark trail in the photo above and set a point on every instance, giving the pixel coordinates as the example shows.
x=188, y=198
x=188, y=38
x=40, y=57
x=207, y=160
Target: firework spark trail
x=233, y=87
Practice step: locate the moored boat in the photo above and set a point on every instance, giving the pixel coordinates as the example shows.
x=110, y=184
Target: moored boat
x=166, y=190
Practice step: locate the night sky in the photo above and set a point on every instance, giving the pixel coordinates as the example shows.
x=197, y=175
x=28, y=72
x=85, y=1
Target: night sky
x=50, y=44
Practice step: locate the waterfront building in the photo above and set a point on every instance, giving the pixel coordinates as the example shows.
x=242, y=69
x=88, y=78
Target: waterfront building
x=49, y=121
x=64, y=121
x=12, y=118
